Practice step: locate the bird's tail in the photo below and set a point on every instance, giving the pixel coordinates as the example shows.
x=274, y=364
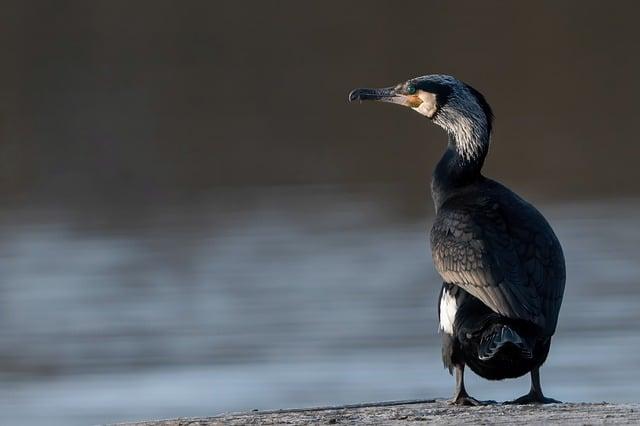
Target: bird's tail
x=500, y=337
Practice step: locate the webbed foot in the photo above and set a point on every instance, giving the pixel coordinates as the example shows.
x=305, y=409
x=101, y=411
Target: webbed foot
x=466, y=400
x=533, y=398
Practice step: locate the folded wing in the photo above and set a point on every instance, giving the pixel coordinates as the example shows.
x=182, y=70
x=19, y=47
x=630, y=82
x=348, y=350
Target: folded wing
x=516, y=268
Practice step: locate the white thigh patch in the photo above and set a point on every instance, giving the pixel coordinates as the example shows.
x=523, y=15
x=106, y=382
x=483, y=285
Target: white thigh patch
x=448, y=309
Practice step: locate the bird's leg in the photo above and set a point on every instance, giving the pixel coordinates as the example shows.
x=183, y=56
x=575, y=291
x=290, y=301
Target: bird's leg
x=535, y=395
x=461, y=397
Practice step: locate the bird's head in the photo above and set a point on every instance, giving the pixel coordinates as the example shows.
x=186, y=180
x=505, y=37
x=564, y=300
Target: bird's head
x=451, y=104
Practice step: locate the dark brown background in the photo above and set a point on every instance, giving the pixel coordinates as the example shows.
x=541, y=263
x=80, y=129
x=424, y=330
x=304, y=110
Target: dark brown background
x=109, y=100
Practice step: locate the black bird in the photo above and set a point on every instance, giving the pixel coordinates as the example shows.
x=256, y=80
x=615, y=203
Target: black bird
x=501, y=263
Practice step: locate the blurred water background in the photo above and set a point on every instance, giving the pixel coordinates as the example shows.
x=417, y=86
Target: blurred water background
x=306, y=297
x=193, y=219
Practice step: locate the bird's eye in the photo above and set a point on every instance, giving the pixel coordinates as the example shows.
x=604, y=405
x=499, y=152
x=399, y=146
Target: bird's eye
x=411, y=89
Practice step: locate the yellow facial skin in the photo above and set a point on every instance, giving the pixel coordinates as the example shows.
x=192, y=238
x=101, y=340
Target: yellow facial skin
x=414, y=101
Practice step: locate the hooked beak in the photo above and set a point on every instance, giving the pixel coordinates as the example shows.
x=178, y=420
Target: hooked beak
x=383, y=95
x=387, y=94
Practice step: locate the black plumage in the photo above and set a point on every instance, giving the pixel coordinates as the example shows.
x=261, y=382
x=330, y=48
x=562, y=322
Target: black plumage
x=503, y=267
x=477, y=327
x=501, y=250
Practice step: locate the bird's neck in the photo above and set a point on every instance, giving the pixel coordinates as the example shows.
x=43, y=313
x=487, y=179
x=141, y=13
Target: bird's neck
x=459, y=166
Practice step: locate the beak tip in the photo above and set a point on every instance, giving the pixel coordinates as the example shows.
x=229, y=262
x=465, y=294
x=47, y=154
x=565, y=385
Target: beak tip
x=354, y=95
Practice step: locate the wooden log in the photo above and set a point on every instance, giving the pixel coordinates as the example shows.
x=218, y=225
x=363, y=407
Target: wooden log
x=425, y=412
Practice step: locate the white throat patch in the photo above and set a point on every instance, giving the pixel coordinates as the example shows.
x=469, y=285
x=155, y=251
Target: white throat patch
x=429, y=106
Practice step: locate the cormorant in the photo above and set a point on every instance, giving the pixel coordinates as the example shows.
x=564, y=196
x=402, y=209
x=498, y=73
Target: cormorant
x=501, y=263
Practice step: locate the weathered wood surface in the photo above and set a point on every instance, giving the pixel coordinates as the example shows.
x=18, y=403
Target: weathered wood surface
x=426, y=412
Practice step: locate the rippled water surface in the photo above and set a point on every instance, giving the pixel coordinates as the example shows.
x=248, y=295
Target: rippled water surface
x=294, y=300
